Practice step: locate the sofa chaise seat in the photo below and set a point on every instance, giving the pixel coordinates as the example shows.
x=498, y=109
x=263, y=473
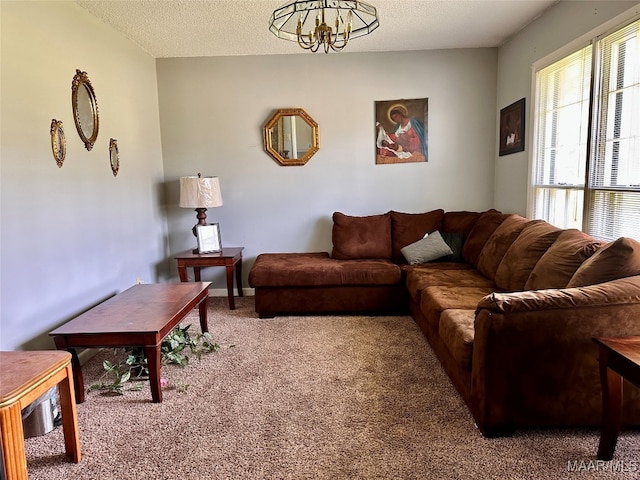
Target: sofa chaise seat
x=306, y=283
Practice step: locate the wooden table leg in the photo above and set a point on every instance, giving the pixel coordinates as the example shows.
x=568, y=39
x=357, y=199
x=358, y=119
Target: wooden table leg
x=611, y=408
x=69, y=416
x=196, y=274
x=239, y=277
x=78, y=379
x=12, y=435
x=232, y=302
x=153, y=365
x=203, y=311
x=182, y=272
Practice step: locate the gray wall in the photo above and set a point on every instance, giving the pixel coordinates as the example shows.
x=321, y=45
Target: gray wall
x=560, y=25
x=72, y=236
x=212, y=111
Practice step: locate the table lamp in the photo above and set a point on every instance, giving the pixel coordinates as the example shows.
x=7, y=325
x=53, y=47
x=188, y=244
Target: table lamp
x=200, y=193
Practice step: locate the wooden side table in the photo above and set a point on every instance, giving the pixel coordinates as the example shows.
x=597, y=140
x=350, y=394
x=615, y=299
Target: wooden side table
x=24, y=377
x=619, y=359
x=230, y=258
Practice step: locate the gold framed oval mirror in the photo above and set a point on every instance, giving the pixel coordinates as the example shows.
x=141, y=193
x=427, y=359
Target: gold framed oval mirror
x=114, y=156
x=58, y=142
x=291, y=136
x=85, y=109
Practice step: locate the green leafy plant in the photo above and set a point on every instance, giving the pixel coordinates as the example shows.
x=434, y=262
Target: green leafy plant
x=174, y=350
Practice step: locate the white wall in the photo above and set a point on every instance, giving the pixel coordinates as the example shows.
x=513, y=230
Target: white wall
x=72, y=236
x=212, y=111
x=563, y=23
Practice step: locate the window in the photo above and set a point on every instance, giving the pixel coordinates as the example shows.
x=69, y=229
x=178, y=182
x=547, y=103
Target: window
x=586, y=161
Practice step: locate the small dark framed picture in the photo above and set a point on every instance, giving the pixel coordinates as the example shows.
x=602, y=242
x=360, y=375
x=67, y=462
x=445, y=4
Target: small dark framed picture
x=209, y=238
x=512, y=128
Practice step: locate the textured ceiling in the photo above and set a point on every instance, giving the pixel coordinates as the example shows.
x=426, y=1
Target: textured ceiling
x=194, y=28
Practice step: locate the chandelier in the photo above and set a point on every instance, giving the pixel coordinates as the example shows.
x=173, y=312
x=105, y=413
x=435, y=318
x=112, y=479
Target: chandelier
x=304, y=21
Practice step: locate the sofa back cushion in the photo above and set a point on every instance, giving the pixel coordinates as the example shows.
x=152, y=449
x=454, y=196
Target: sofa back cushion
x=361, y=237
x=407, y=228
x=480, y=233
x=498, y=243
x=558, y=264
x=460, y=222
x=523, y=255
x=618, y=259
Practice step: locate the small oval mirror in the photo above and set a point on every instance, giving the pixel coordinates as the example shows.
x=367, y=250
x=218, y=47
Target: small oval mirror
x=114, y=156
x=291, y=136
x=85, y=109
x=58, y=143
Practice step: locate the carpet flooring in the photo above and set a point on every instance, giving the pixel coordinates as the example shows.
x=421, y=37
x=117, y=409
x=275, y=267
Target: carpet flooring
x=318, y=397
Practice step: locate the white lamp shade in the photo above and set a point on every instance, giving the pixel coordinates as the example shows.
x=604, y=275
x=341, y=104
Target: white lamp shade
x=200, y=192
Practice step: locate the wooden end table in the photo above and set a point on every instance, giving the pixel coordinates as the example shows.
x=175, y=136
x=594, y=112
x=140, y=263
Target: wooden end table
x=230, y=258
x=619, y=359
x=138, y=317
x=24, y=377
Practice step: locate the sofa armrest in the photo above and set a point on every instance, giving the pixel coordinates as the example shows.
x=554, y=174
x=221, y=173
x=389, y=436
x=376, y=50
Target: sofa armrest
x=534, y=360
x=617, y=292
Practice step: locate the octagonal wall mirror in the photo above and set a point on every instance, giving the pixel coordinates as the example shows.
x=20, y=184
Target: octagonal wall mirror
x=85, y=109
x=291, y=136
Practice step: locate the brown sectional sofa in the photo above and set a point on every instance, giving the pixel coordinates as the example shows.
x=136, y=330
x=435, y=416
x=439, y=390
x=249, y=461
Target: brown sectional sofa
x=510, y=313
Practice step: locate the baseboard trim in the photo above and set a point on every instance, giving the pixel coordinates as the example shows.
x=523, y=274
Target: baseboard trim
x=222, y=292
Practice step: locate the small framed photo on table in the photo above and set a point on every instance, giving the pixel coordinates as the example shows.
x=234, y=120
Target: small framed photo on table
x=209, y=238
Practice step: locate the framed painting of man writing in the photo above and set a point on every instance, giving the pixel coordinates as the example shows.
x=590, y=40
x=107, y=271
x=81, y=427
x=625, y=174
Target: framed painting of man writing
x=401, y=131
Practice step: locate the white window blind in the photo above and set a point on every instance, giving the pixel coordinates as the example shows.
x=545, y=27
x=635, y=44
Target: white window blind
x=613, y=198
x=562, y=113
x=586, y=162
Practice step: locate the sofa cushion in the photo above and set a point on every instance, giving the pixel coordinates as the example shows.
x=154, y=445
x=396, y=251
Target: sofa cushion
x=435, y=300
x=523, y=254
x=407, y=228
x=426, y=249
x=617, y=259
x=558, y=264
x=361, y=237
x=480, y=233
x=456, y=331
x=420, y=278
x=317, y=269
x=459, y=222
x=498, y=243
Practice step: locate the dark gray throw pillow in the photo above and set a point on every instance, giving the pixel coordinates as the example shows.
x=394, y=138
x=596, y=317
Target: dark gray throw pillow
x=427, y=249
x=455, y=241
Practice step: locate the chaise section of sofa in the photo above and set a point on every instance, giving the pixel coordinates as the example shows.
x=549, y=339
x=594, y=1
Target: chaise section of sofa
x=307, y=283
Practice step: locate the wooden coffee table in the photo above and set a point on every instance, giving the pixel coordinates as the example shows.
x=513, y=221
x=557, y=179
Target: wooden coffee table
x=619, y=359
x=138, y=317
